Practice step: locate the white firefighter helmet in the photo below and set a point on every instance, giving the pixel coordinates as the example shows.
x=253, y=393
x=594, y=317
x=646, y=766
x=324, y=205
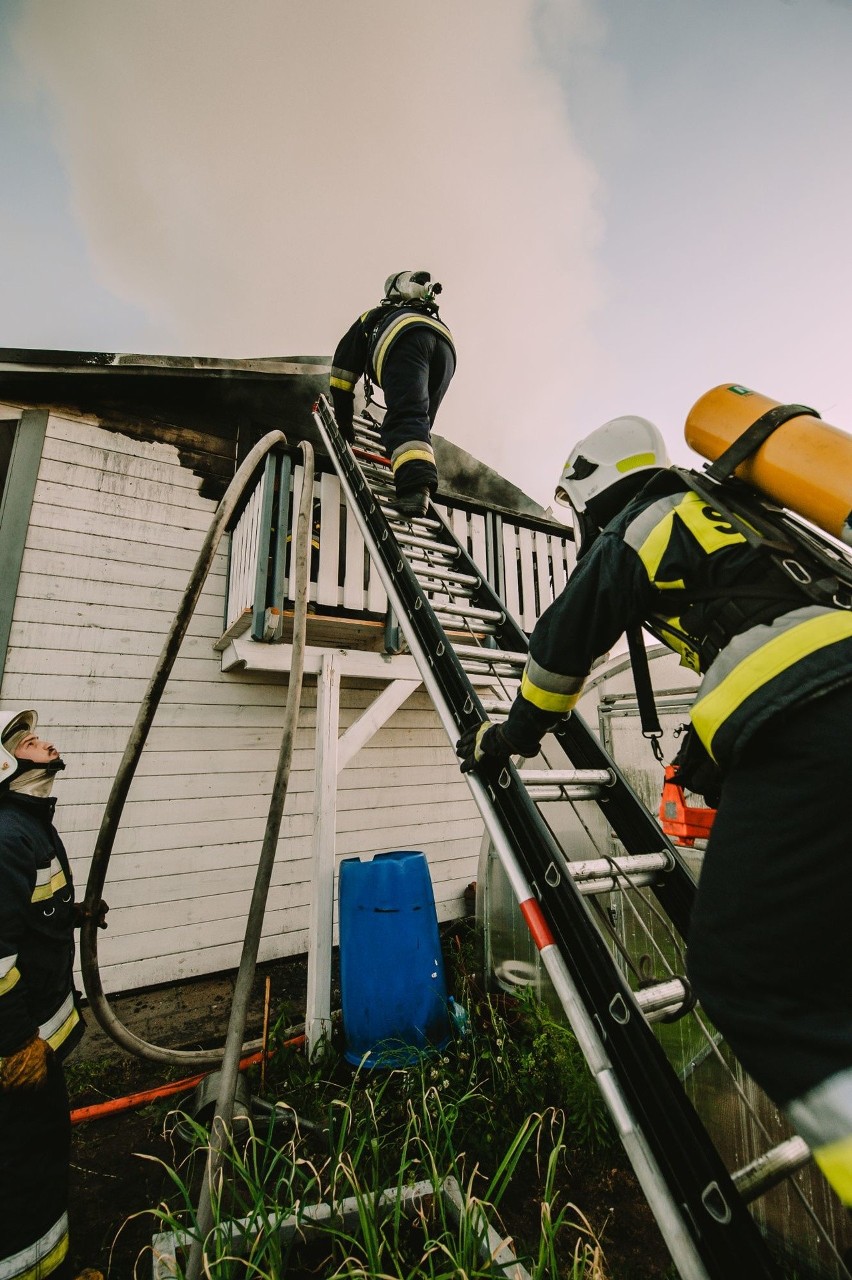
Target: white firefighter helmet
x=411, y=286
x=620, y=448
x=13, y=726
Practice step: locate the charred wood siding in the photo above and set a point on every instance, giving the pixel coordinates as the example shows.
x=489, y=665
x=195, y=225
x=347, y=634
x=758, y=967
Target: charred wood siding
x=211, y=416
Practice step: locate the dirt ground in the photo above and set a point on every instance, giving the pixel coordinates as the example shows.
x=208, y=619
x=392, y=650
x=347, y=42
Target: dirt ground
x=113, y=1184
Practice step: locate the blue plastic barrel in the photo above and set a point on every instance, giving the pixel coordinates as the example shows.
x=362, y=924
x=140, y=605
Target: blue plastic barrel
x=392, y=983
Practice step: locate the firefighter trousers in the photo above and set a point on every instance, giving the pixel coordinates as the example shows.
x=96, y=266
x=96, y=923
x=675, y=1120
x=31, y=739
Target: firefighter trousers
x=418, y=369
x=35, y=1144
x=769, y=954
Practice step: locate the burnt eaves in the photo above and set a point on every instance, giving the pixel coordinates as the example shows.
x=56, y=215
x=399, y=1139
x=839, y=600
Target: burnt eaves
x=213, y=411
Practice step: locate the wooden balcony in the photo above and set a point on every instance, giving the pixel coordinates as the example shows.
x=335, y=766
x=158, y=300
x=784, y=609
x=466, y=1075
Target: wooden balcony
x=526, y=561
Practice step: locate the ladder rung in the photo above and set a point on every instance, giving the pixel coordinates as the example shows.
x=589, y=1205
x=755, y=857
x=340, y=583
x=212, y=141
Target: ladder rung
x=489, y=655
x=427, y=544
x=439, y=595
x=501, y=705
x=414, y=522
x=466, y=611
x=560, y=777
x=502, y=671
x=603, y=875
x=448, y=575
x=567, y=792
x=661, y=999
x=766, y=1171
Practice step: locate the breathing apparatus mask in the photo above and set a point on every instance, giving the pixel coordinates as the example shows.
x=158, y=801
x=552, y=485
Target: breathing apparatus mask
x=411, y=286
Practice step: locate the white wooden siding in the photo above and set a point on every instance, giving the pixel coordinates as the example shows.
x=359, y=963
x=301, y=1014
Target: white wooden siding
x=115, y=529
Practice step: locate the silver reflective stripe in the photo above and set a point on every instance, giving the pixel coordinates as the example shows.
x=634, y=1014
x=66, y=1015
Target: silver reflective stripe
x=824, y=1115
x=54, y=1023
x=48, y=881
x=638, y=530
x=7, y=963
x=20, y=1263
x=550, y=681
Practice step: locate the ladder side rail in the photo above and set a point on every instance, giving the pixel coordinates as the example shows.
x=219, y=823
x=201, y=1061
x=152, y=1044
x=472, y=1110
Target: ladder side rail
x=680, y=1143
x=699, y=1185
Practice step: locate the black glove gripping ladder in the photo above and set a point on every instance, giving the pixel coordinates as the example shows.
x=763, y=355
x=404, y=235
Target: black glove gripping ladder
x=425, y=571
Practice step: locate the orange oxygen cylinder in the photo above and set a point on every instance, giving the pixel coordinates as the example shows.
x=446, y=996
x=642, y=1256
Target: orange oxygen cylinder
x=805, y=464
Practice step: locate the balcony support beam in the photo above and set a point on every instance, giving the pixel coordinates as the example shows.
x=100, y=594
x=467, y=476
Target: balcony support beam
x=372, y=718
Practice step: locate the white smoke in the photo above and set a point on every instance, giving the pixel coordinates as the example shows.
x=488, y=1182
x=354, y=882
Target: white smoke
x=249, y=174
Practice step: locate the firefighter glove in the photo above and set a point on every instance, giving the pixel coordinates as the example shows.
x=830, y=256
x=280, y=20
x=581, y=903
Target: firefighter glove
x=483, y=741
x=26, y=1069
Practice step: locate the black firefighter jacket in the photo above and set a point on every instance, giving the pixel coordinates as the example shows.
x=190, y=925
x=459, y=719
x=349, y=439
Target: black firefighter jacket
x=640, y=570
x=36, y=928
x=365, y=345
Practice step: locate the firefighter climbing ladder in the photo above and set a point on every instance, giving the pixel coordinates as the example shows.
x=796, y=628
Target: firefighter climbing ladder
x=435, y=589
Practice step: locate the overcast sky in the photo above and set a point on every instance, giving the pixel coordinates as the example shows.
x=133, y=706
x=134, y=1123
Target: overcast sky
x=627, y=201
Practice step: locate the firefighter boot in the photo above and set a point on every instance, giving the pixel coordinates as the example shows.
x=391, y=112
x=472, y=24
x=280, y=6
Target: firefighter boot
x=413, y=503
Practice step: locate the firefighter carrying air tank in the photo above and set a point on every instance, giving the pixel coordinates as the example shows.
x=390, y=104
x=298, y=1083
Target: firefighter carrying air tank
x=405, y=348
x=762, y=611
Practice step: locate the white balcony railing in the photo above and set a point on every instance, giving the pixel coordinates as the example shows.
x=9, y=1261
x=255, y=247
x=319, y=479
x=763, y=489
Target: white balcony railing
x=526, y=561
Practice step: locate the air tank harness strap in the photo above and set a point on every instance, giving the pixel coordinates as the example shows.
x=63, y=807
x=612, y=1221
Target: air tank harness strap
x=754, y=436
x=815, y=577
x=644, y=691
x=730, y=611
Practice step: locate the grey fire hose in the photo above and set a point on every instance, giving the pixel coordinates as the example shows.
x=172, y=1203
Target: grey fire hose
x=236, y=1026
x=99, y=1004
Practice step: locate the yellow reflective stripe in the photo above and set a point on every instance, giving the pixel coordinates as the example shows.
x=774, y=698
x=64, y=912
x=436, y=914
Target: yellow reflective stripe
x=342, y=384
x=710, y=530
x=654, y=547
x=394, y=330
x=546, y=701
x=764, y=664
x=712, y=534
x=51, y=882
x=59, y=1037
x=49, y=1263
x=9, y=979
x=38, y=1260
x=835, y=1160
x=413, y=455
x=636, y=460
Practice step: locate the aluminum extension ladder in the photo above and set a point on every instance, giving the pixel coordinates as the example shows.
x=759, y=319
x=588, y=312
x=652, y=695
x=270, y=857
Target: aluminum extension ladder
x=437, y=593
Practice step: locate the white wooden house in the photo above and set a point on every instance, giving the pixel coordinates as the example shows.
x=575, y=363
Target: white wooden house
x=111, y=468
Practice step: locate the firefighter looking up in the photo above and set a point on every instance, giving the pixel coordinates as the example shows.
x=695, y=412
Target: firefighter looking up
x=404, y=348
x=768, y=947
x=39, y=1020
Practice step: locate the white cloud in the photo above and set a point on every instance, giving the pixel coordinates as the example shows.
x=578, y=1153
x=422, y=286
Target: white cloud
x=250, y=174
